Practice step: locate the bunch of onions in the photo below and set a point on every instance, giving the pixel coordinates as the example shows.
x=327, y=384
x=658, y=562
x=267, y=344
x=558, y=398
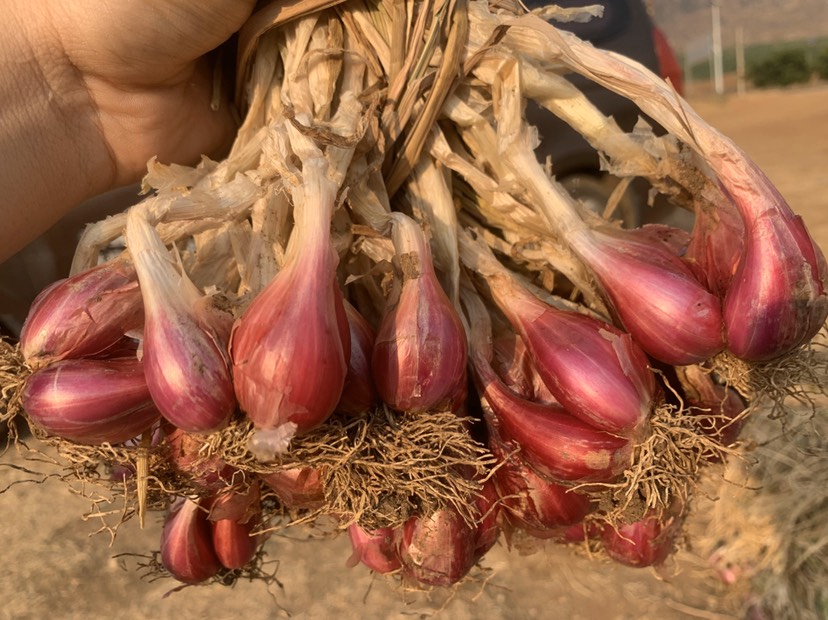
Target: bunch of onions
x=84, y=315
x=91, y=401
x=776, y=299
x=419, y=358
x=185, y=338
x=291, y=346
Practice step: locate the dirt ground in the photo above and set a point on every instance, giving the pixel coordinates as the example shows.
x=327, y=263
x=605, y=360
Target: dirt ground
x=56, y=567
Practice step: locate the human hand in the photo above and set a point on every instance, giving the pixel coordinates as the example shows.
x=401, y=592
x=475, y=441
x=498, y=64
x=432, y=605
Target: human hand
x=142, y=66
x=91, y=89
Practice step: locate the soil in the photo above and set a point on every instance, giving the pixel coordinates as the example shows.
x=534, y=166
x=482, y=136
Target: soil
x=56, y=566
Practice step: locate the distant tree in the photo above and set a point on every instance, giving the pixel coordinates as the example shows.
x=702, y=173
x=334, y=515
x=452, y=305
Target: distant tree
x=821, y=64
x=782, y=68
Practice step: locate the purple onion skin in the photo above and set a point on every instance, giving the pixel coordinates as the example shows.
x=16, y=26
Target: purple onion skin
x=188, y=371
x=359, y=392
x=83, y=315
x=91, y=401
x=187, y=544
x=777, y=299
x=375, y=549
x=438, y=550
x=420, y=353
x=555, y=444
x=655, y=296
x=299, y=488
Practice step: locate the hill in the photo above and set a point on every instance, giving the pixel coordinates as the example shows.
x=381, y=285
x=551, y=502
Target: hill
x=687, y=23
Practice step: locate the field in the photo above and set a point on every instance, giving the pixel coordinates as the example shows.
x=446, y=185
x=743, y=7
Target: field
x=56, y=567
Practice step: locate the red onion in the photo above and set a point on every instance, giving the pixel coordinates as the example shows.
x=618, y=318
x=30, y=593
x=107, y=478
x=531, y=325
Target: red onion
x=299, y=488
x=647, y=542
x=419, y=360
x=591, y=368
x=556, y=444
x=185, y=339
x=83, y=315
x=376, y=549
x=91, y=401
x=187, y=544
x=439, y=549
x=657, y=298
x=529, y=502
x=358, y=393
x=777, y=299
x=290, y=352
x=233, y=518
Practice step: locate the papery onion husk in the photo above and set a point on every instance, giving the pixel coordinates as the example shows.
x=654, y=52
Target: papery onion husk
x=437, y=550
x=185, y=452
x=187, y=544
x=716, y=245
x=185, y=337
x=298, y=488
x=358, y=392
x=513, y=364
x=83, y=315
x=419, y=359
x=91, y=401
x=376, y=549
